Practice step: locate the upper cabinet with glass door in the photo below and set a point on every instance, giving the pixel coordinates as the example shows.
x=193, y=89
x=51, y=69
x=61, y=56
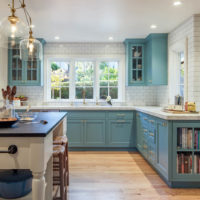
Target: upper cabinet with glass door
x=135, y=61
x=24, y=73
x=146, y=60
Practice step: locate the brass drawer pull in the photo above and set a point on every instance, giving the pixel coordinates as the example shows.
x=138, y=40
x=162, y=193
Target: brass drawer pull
x=151, y=152
x=121, y=115
x=152, y=121
x=145, y=130
x=144, y=147
x=121, y=121
x=151, y=134
x=145, y=119
x=164, y=124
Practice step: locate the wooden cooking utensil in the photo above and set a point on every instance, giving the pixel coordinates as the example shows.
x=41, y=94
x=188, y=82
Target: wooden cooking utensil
x=8, y=90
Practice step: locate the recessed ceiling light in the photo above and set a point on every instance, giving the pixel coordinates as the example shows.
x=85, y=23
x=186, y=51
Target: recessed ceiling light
x=32, y=26
x=56, y=37
x=177, y=3
x=110, y=38
x=153, y=26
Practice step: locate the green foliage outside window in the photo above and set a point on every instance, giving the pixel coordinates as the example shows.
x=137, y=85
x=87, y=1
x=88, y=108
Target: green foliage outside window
x=84, y=73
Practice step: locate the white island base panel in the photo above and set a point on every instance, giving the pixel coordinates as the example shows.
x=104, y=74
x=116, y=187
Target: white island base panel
x=34, y=153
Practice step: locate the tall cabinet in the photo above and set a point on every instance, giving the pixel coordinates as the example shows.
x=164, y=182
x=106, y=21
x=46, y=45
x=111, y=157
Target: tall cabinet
x=24, y=73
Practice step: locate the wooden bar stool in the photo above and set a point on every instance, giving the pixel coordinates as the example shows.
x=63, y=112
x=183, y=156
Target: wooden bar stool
x=59, y=171
x=62, y=140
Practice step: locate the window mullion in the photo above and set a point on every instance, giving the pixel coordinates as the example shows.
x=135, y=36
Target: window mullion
x=72, y=81
x=95, y=81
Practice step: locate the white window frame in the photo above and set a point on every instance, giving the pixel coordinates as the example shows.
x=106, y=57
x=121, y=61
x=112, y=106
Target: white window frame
x=178, y=74
x=174, y=69
x=71, y=61
x=119, y=79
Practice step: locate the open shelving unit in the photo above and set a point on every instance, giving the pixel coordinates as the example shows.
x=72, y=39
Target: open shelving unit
x=187, y=151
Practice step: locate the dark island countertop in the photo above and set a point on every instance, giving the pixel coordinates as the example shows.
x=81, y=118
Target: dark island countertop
x=35, y=129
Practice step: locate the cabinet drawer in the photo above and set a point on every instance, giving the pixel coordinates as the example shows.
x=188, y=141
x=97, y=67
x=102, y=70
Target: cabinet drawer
x=145, y=121
x=86, y=115
x=152, y=123
x=121, y=115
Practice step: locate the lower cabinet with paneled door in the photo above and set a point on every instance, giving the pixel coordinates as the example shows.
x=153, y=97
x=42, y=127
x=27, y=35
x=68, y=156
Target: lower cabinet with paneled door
x=113, y=129
x=75, y=132
x=90, y=133
x=120, y=133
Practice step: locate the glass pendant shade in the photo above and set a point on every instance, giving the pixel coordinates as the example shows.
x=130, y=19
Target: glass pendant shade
x=11, y=34
x=31, y=50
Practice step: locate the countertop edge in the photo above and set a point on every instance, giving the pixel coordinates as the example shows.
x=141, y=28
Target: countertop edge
x=155, y=111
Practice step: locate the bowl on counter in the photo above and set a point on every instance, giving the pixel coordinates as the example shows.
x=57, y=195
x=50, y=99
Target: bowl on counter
x=7, y=122
x=15, y=183
x=26, y=116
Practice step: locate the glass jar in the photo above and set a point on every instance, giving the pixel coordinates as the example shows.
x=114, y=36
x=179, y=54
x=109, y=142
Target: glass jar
x=7, y=109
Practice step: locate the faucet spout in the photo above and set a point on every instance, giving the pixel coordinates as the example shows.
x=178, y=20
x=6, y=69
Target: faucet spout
x=83, y=95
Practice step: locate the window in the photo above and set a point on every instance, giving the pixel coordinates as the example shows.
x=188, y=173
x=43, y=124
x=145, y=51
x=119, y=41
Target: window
x=60, y=80
x=75, y=80
x=108, y=79
x=181, y=75
x=84, y=81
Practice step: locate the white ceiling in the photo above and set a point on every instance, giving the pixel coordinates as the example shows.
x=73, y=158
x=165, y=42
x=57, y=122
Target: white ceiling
x=96, y=20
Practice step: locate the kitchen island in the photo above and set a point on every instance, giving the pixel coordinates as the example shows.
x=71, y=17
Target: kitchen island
x=34, y=142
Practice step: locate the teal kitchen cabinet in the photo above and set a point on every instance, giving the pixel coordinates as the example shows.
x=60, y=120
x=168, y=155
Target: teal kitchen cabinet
x=147, y=60
x=162, y=147
x=95, y=133
x=139, y=133
x=86, y=128
x=101, y=129
x=156, y=59
x=75, y=132
x=121, y=129
x=24, y=73
x=121, y=133
x=135, y=56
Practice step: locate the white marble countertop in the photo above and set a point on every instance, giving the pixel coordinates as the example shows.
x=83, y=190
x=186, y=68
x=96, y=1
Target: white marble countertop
x=151, y=110
x=158, y=112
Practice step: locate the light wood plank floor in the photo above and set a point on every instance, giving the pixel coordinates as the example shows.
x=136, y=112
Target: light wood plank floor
x=119, y=176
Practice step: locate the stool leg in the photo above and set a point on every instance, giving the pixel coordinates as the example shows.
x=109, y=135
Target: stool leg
x=62, y=192
x=67, y=164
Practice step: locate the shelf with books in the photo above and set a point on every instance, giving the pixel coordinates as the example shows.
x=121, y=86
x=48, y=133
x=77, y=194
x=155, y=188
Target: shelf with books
x=197, y=163
x=185, y=138
x=187, y=150
x=197, y=139
x=184, y=163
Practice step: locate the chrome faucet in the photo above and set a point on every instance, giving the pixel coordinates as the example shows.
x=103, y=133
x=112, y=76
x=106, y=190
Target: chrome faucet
x=83, y=95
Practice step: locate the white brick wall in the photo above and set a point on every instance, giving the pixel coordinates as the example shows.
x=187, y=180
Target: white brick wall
x=141, y=95
x=34, y=93
x=191, y=30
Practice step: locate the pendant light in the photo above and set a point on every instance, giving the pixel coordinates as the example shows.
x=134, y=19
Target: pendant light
x=31, y=48
x=12, y=29
x=17, y=33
